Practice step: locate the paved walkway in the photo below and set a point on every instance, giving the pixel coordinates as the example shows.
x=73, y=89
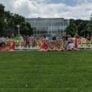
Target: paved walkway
x=26, y=48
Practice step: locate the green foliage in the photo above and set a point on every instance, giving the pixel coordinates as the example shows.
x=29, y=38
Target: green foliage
x=77, y=26
x=1, y=11
x=89, y=27
x=72, y=28
x=25, y=29
x=1, y=17
x=9, y=22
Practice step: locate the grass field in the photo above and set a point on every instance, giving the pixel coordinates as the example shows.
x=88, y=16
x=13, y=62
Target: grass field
x=46, y=71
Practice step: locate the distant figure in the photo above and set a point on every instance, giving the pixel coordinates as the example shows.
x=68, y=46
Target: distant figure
x=76, y=41
x=71, y=44
x=2, y=41
x=43, y=45
x=54, y=38
x=27, y=41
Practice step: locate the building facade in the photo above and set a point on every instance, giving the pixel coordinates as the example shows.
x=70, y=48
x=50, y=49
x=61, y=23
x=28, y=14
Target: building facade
x=48, y=26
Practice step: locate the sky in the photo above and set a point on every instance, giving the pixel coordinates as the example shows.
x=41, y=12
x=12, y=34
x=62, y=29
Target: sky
x=75, y=9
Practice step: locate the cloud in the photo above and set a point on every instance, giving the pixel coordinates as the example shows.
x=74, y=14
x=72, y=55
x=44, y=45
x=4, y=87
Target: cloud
x=42, y=8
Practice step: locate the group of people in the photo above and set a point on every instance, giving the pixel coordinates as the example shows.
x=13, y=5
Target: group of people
x=66, y=43
x=44, y=44
x=11, y=43
x=7, y=44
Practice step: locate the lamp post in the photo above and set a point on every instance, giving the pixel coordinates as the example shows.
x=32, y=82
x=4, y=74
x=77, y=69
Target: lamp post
x=5, y=20
x=18, y=26
x=5, y=26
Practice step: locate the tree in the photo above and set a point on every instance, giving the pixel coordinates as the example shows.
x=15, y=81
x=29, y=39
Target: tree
x=9, y=22
x=82, y=28
x=72, y=28
x=1, y=18
x=89, y=27
x=77, y=26
x=26, y=29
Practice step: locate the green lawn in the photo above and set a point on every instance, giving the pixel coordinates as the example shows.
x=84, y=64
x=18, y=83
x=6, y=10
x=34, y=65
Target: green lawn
x=46, y=71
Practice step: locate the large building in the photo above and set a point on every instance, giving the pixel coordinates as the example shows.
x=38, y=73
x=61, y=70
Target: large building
x=48, y=26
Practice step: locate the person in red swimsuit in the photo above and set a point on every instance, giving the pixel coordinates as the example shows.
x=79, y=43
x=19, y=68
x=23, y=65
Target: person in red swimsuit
x=43, y=45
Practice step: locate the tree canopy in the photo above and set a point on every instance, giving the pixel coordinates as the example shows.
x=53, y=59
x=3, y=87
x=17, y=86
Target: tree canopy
x=9, y=22
x=79, y=27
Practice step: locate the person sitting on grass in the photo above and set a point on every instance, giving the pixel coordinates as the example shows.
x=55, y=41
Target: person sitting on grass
x=70, y=43
x=2, y=42
x=51, y=45
x=42, y=44
x=10, y=45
